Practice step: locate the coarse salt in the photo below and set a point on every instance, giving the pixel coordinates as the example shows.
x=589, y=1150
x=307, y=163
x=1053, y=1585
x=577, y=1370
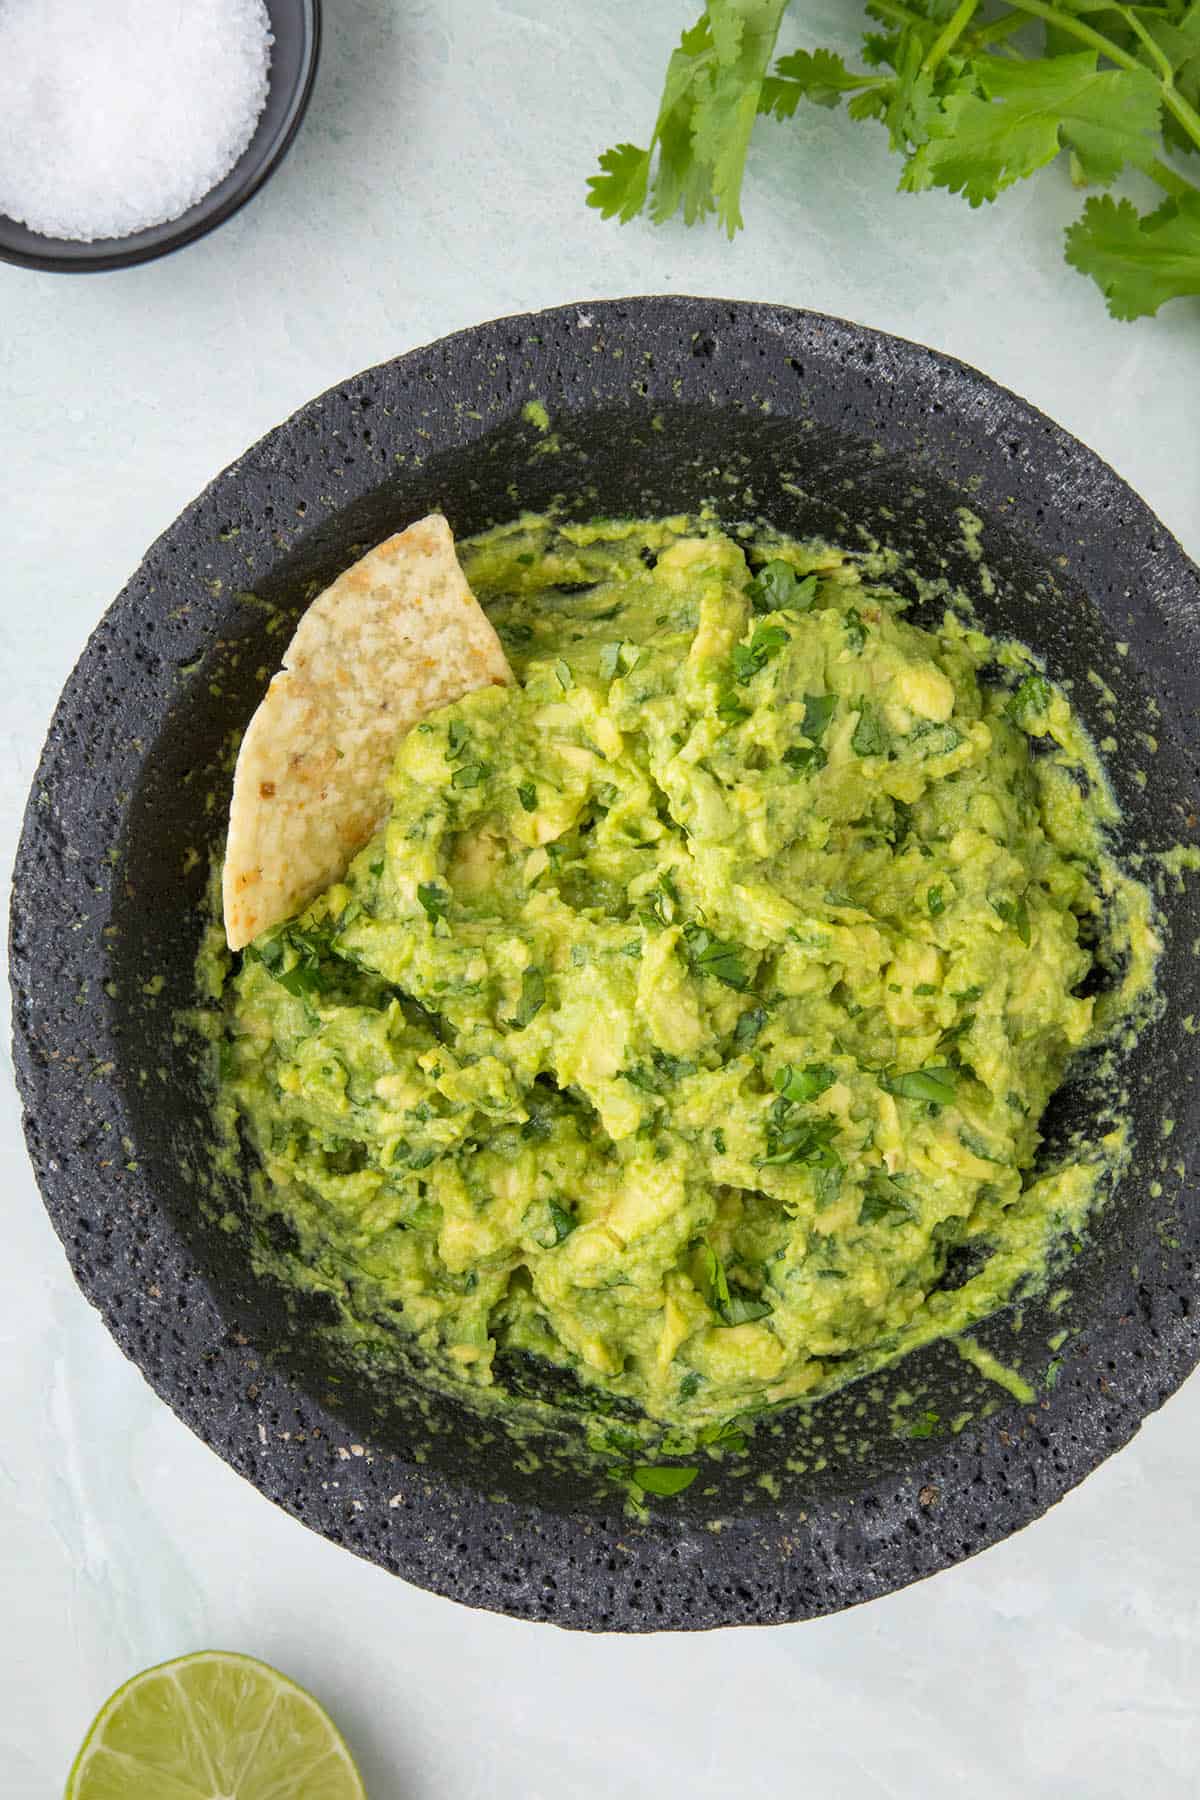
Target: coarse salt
x=120, y=115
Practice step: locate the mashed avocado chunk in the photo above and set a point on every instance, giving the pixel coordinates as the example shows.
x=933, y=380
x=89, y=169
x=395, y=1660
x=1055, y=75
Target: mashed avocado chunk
x=688, y=1025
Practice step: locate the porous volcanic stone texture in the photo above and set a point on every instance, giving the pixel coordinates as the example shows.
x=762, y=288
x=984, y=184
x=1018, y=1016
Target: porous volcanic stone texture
x=655, y=405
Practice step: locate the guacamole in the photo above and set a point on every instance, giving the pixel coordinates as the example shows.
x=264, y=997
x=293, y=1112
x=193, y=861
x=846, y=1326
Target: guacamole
x=687, y=1027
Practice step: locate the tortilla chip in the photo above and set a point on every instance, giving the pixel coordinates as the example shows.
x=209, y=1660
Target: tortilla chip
x=397, y=636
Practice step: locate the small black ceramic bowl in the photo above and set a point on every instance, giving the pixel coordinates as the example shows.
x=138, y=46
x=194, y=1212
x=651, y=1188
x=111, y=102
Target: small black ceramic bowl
x=296, y=27
x=655, y=406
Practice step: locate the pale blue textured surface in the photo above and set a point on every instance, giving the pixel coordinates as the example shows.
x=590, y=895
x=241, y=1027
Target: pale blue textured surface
x=437, y=182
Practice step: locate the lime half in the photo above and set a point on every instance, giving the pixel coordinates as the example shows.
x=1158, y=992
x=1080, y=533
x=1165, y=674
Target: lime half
x=213, y=1726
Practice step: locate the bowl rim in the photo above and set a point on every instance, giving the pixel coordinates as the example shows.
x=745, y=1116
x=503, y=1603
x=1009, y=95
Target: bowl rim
x=411, y=1520
x=188, y=228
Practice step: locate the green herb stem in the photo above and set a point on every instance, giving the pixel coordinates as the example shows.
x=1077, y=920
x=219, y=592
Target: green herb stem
x=997, y=31
x=949, y=36
x=1166, y=72
x=1185, y=115
x=1171, y=181
x=1074, y=27
x=886, y=10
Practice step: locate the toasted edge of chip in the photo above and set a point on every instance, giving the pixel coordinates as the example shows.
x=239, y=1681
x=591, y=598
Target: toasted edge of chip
x=398, y=635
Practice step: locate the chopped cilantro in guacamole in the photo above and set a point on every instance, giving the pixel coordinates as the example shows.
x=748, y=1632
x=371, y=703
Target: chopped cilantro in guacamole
x=688, y=1026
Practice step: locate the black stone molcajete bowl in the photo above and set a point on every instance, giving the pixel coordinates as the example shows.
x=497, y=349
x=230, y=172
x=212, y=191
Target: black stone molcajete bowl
x=656, y=405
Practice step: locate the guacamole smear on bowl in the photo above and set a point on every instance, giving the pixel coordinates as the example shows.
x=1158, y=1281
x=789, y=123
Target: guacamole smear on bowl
x=687, y=1027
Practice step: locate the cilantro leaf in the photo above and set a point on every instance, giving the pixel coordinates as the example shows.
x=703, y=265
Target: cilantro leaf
x=809, y=759
x=303, y=974
x=769, y=590
x=807, y=1141
x=533, y=998
x=1138, y=260
x=731, y=710
x=1016, y=914
x=766, y=642
x=934, y=1084
x=562, y=1221
x=709, y=955
x=468, y=775
x=434, y=899
x=664, y=1480
x=743, y=37
x=911, y=101
x=1029, y=700
x=870, y=734
x=744, y=1308
x=749, y=1024
x=818, y=711
x=716, y=1282
x=301, y=979
x=697, y=152
x=978, y=1145
x=662, y=902
x=886, y=1198
x=620, y=190
x=726, y=1434
x=1027, y=111
x=816, y=75
x=735, y=1305
x=804, y=1084
x=777, y=587
x=618, y=658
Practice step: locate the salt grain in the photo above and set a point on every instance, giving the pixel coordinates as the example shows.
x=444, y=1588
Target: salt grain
x=120, y=115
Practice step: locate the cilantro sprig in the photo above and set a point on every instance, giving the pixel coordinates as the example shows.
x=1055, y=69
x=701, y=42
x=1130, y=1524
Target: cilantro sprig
x=974, y=97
